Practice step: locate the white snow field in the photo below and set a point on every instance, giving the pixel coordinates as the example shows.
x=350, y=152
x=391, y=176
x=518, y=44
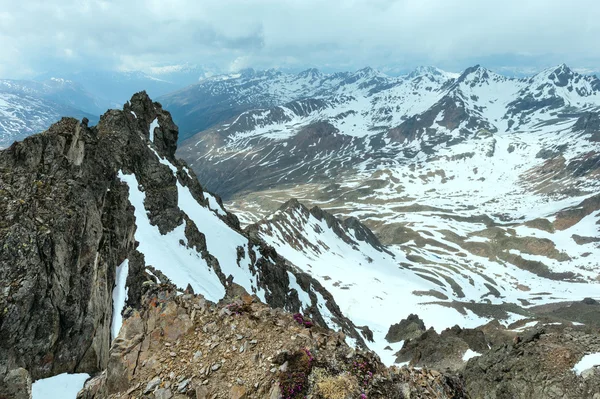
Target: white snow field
x=587, y=362
x=62, y=386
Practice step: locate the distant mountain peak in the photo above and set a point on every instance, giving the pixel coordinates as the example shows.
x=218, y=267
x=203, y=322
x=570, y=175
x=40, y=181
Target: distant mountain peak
x=478, y=74
x=292, y=204
x=561, y=75
x=310, y=73
x=369, y=72
x=247, y=72
x=432, y=72
x=422, y=70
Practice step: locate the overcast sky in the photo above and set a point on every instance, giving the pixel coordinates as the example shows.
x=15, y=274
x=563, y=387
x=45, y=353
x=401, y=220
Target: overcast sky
x=41, y=35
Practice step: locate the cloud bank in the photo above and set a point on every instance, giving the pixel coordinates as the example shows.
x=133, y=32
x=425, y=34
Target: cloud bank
x=37, y=35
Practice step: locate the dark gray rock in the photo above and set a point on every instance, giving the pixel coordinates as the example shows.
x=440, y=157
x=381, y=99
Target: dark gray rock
x=536, y=368
x=16, y=385
x=410, y=328
x=442, y=351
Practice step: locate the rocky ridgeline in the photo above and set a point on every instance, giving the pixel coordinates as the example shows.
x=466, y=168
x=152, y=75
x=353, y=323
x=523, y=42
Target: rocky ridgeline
x=183, y=346
x=67, y=223
x=293, y=210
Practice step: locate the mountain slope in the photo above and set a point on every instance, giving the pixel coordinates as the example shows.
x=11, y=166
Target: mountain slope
x=60, y=91
x=28, y=107
x=343, y=119
x=376, y=285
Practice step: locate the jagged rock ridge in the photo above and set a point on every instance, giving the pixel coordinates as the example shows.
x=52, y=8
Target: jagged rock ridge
x=67, y=195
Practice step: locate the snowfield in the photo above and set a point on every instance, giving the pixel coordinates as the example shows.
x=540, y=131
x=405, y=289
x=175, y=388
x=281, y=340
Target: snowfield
x=62, y=386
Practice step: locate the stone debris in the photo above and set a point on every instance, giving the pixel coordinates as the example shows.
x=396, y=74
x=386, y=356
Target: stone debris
x=271, y=364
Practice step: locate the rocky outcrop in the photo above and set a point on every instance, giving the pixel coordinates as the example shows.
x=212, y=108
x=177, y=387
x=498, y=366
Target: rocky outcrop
x=178, y=346
x=442, y=351
x=69, y=223
x=539, y=365
x=589, y=123
x=410, y=328
x=350, y=230
x=497, y=363
x=16, y=384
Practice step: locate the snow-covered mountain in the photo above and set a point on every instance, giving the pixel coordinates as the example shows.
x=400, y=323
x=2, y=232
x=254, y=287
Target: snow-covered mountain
x=58, y=90
x=344, y=119
x=483, y=188
x=28, y=107
x=31, y=106
x=222, y=97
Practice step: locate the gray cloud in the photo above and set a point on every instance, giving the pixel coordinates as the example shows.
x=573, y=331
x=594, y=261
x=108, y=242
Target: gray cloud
x=36, y=35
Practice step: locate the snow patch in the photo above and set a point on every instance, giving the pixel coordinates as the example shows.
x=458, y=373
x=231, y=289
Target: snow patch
x=180, y=264
x=587, y=362
x=214, y=205
x=153, y=126
x=221, y=241
x=62, y=386
x=302, y=295
x=119, y=295
x=470, y=354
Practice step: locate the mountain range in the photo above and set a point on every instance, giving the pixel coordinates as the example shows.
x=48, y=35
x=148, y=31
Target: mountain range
x=31, y=106
x=450, y=241
x=479, y=187
x=28, y=107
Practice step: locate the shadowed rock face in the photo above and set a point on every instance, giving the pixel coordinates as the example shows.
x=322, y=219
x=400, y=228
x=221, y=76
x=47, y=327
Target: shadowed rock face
x=410, y=328
x=442, y=351
x=67, y=223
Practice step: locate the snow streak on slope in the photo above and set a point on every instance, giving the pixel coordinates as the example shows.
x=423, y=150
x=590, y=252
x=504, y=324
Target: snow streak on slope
x=222, y=242
x=228, y=256
x=119, y=298
x=180, y=264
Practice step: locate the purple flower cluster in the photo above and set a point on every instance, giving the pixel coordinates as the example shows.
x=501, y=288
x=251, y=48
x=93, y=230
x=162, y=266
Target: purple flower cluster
x=296, y=387
x=302, y=321
x=235, y=308
x=363, y=371
x=310, y=356
x=293, y=383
